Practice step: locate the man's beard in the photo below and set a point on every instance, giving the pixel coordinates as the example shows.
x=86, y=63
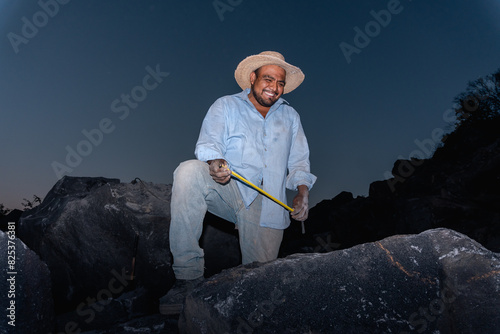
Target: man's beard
x=261, y=101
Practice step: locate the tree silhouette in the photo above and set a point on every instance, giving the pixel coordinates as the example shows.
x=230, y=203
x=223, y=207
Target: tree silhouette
x=480, y=101
x=27, y=204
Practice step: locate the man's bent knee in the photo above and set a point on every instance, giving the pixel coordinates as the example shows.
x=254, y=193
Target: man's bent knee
x=190, y=169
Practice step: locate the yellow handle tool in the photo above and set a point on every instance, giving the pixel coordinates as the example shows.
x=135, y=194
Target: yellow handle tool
x=242, y=179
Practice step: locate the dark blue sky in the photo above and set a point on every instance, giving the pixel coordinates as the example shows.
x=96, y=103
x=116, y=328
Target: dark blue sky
x=69, y=68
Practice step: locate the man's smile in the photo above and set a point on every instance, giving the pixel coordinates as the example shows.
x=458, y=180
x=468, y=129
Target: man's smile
x=269, y=94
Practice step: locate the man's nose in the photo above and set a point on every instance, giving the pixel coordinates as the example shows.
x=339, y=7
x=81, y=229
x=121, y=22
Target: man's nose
x=274, y=86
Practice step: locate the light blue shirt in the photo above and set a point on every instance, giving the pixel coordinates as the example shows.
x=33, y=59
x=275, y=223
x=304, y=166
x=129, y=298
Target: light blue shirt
x=272, y=151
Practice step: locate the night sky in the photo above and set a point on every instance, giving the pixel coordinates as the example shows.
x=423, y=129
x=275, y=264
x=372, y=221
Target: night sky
x=119, y=88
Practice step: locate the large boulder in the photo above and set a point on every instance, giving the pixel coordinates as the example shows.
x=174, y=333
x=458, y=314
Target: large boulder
x=26, y=297
x=439, y=281
x=106, y=244
x=101, y=238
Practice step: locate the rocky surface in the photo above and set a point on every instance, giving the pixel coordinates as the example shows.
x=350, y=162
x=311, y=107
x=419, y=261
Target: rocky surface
x=149, y=324
x=93, y=233
x=89, y=230
x=438, y=281
x=26, y=298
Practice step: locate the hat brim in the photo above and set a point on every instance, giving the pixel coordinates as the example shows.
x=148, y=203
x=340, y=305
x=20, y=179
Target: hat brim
x=294, y=75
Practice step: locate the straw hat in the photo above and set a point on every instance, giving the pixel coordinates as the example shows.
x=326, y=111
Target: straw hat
x=294, y=75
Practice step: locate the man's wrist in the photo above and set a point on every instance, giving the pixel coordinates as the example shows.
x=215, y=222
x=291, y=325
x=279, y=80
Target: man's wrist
x=303, y=190
x=219, y=161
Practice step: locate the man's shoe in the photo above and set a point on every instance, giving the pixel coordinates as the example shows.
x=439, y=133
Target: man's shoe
x=173, y=302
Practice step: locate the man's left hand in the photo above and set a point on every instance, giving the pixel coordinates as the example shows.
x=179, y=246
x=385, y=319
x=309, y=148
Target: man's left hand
x=301, y=204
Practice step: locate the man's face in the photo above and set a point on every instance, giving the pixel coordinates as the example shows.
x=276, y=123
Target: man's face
x=268, y=84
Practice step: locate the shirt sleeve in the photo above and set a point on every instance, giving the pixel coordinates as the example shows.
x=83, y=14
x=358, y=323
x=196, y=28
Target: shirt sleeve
x=211, y=143
x=299, y=168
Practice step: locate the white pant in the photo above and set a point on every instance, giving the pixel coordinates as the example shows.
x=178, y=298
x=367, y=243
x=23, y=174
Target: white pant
x=193, y=193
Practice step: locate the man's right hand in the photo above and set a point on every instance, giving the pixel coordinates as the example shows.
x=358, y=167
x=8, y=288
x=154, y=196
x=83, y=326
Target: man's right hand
x=219, y=171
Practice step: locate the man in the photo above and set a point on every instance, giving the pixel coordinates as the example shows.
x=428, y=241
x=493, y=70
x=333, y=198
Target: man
x=259, y=136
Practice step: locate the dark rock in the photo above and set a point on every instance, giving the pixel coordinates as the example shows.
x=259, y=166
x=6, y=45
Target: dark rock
x=26, y=283
x=437, y=281
x=12, y=216
x=317, y=228
x=380, y=189
x=151, y=324
x=88, y=230
x=109, y=313
x=405, y=168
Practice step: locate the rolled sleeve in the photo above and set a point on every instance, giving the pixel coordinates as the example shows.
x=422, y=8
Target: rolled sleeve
x=298, y=178
x=299, y=168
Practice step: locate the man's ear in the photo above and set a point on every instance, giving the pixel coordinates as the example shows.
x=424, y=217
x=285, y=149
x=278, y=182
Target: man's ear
x=253, y=76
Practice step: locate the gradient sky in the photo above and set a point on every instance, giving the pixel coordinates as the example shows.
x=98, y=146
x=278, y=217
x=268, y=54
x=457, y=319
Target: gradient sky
x=359, y=116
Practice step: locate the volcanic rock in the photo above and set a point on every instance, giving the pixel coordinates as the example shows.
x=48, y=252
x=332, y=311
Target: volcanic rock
x=436, y=281
x=26, y=301
x=106, y=244
x=101, y=238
